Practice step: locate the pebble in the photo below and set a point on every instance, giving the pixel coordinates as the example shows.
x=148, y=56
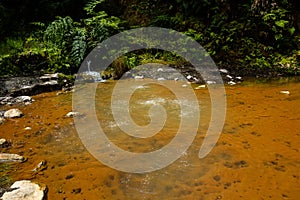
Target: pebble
x=228, y=76
x=210, y=82
x=225, y=71
x=139, y=77
x=199, y=87
x=161, y=79
x=160, y=70
x=72, y=114
x=231, y=83
x=189, y=77
x=3, y=141
x=27, y=128
x=285, y=92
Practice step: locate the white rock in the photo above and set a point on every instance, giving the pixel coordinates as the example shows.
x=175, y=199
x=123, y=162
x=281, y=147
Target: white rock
x=225, y=71
x=2, y=141
x=27, y=128
x=13, y=113
x=228, y=76
x=210, y=82
x=189, y=77
x=231, y=83
x=21, y=99
x=72, y=114
x=52, y=82
x=160, y=70
x=7, y=157
x=285, y=92
x=161, y=79
x=199, y=87
x=25, y=190
x=139, y=77
x=176, y=79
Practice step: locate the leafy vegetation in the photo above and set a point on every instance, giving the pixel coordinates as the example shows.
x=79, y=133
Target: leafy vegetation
x=253, y=37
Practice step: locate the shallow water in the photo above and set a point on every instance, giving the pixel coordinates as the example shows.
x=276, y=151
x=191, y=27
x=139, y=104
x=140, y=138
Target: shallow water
x=256, y=157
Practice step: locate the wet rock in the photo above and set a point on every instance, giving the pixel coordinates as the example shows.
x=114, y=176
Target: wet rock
x=199, y=87
x=139, y=77
x=217, y=178
x=73, y=114
x=23, y=99
x=3, y=143
x=13, y=113
x=25, y=190
x=285, y=92
x=21, y=86
x=231, y=83
x=20, y=99
x=225, y=71
x=41, y=166
x=2, y=120
x=6, y=157
x=48, y=77
x=76, y=191
x=69, y=176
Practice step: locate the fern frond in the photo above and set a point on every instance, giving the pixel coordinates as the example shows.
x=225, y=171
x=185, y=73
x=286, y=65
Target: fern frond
x=57, y=29
x=91, y=5
x=79, y=46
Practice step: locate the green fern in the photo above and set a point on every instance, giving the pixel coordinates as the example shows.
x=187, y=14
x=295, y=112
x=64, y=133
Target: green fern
x=56, y=31
x=79, y=46
x=91, y=5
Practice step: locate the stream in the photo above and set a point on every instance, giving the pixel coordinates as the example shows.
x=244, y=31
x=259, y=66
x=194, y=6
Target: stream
x=256, y=157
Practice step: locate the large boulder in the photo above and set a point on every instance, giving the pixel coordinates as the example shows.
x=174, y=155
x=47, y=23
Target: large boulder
x=25, y=190
x=13, y=113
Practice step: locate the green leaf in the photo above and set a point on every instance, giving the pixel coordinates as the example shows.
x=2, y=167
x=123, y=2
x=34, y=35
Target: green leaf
x=281, y=23
x=292, y=30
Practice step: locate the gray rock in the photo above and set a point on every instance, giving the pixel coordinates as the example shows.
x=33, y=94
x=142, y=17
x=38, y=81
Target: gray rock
x=13, y=113
x=25, y=190
x=6, y=157
x=23, y=99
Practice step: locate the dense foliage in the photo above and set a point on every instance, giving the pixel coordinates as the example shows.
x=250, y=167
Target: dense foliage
x=253, y=37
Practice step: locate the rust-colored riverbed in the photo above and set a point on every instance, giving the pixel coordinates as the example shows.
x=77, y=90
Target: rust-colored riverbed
x=257, y=155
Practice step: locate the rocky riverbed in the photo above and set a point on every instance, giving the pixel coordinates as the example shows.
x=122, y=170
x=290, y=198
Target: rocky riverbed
x=256, y=157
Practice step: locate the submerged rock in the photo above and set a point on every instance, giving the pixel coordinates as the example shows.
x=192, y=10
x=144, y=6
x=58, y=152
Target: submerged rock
x=41, y=166
x=13, y=113
x=25, y=190
x=6, y=157
x=2, y=120
x=3, y=142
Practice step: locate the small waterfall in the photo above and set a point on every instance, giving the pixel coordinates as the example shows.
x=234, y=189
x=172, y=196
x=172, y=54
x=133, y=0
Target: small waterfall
x=92, y=75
